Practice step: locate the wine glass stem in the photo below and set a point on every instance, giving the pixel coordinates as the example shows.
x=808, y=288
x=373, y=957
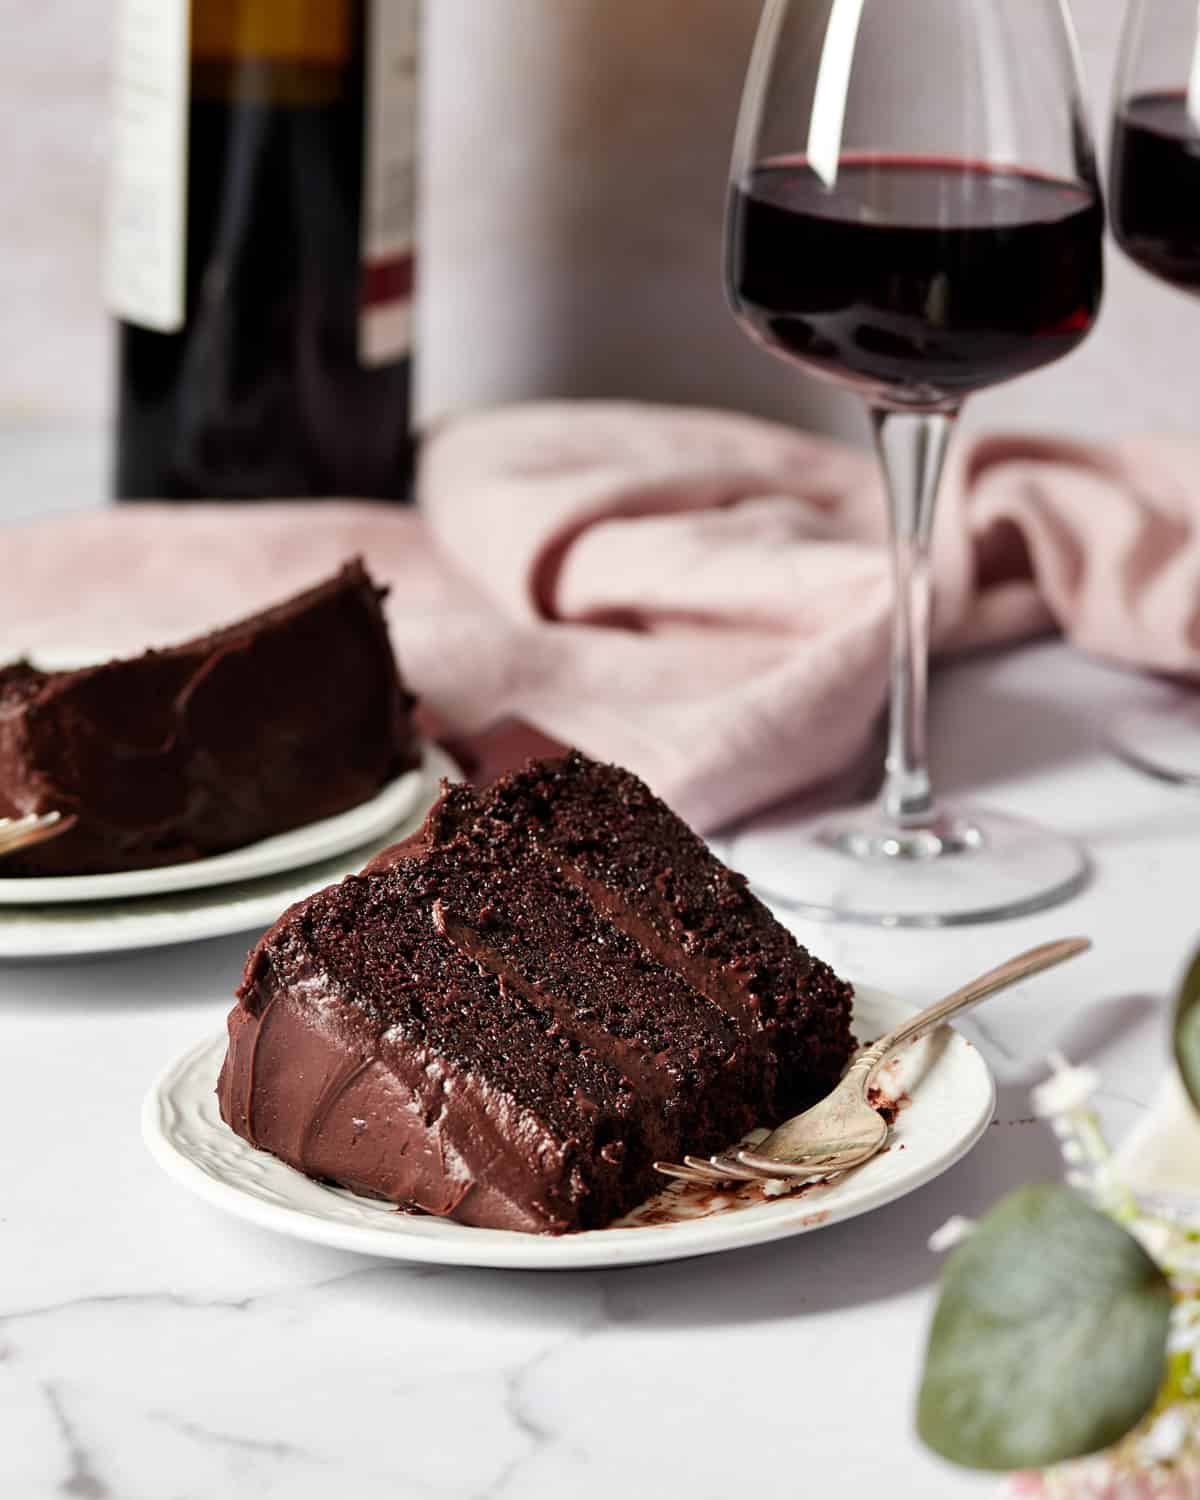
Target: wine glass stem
x=912, y=449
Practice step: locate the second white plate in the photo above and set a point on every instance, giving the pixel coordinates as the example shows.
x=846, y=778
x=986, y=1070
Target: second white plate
x=69, y=929
x=286, y=851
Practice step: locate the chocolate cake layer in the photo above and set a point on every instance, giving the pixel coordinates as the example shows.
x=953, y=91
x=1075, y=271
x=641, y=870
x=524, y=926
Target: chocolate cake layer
x=625, y=849
x=369, y=1051
x=291, y=715
x=509, y=1017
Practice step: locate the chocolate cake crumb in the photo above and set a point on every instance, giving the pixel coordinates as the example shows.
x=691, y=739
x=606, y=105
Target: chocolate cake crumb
x=549, y=987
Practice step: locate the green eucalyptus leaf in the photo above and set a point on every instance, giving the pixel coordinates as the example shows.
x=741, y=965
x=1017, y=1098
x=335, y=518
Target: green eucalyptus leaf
x=1187, y=1031
x=1049, y=1339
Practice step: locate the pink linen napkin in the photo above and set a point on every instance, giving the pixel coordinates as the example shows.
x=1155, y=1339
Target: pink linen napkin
x=701, y=596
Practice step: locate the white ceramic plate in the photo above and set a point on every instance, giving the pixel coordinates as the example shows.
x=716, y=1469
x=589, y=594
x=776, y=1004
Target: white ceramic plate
x=286, y=851
x=63, y=930
x=949, y=1097
x=321, y=840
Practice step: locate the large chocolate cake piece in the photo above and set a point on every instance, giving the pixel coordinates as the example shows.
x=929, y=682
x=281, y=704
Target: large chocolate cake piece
x=291, y=715
x=508, y=1018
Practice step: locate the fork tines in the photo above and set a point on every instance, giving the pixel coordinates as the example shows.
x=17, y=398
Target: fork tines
x=728, y=1171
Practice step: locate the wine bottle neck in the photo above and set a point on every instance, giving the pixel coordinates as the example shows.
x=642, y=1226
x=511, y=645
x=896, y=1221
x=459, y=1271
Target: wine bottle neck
x=284, y=53
x=313, y=32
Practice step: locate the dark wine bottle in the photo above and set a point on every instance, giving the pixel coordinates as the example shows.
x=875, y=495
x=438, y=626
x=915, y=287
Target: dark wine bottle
x=262, y=247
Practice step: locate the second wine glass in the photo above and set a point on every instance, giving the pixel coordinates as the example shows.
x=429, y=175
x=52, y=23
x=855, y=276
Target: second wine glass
x=1155, y=196
x=915, y=213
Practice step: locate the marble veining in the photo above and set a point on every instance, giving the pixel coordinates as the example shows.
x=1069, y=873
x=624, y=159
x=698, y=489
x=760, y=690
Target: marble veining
x=81, y=1480
x=152, y=1348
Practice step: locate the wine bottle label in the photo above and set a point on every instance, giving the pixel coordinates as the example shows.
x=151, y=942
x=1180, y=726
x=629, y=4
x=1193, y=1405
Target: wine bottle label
x=156, y=43
x=144, y=274
x=389, y=180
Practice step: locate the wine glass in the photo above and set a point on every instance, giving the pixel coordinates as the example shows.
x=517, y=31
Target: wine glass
x=1155, y=202
x=915, y=213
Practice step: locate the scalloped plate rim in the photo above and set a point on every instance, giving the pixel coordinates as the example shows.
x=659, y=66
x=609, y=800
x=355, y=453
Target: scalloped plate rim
x=308, y=1207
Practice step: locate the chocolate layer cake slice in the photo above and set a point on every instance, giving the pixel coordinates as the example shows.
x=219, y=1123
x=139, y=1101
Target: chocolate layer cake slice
x=290, y=715
x=508, y=1018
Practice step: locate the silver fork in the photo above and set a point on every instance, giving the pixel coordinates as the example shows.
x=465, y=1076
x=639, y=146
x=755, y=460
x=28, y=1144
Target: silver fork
x=844, y=1130
x=33, y=828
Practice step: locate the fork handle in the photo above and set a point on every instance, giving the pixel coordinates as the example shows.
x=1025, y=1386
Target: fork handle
x=1016, y=969
x=26, y=830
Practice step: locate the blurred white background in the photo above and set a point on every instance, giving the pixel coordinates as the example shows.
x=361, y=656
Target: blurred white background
x=577, y=151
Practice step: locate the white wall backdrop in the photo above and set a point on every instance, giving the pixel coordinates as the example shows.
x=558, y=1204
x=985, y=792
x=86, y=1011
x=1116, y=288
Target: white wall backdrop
x=576, y=164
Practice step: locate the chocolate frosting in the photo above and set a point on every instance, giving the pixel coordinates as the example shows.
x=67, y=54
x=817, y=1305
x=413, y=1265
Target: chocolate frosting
x=291, y=715
x=315, y=1085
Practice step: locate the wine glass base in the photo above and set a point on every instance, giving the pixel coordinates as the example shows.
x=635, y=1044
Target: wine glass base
x=968, y=865
x=1162, y=742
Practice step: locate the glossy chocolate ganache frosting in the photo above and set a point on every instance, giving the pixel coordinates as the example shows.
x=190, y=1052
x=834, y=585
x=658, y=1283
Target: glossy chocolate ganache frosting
x=508, y=1018
x=291, y=715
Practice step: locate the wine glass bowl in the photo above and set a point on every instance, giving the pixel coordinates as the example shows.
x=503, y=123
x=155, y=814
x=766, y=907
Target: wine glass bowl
x=926, y=278
x=1156, y=186
x=1155, y=172
x=914, y=213
x=918, y=244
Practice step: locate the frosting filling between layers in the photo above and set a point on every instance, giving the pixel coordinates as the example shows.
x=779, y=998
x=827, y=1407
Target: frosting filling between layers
x=728, y=987
x=645, y=1072
x=611, y=835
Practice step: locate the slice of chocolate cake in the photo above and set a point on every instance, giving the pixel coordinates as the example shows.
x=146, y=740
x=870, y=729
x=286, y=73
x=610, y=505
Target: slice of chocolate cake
x=508, y=1018
x=291, y=715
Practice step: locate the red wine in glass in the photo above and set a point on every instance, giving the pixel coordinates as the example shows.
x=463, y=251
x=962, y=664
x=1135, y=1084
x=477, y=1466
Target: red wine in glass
x=1156, y=186
x=928, y=278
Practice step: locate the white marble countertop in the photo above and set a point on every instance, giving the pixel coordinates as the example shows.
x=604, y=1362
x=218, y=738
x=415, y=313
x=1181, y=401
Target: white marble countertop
x=151, y=1349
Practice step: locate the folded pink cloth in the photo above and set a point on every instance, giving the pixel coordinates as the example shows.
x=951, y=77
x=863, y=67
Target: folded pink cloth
x=701, y=596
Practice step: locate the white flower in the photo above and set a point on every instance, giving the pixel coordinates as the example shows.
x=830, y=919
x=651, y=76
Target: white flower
x=1166, y=1439
x=1184, y=1337
x=1154, y=1237
x=952, y=1233
x=1066, y=1091
x=1106, y=1181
